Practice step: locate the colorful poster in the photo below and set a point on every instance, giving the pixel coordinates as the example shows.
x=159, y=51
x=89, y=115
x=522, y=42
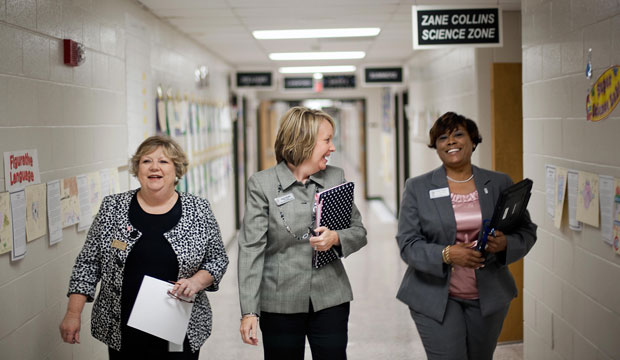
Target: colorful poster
x=54, y=213
x=6, y=226
x=95, y=192
x=36, y=216
x=616, y=231
x=21, y=168
x=69, y=202
x=560, y=190
x=604, y=95
x=587, y=199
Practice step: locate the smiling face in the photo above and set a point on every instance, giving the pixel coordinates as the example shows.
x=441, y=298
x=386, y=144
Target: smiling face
x=156, y=171
x=455, y=148
x=323, y=148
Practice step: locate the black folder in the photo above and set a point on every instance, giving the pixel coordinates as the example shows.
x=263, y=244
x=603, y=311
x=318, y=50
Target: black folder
x=509, y=210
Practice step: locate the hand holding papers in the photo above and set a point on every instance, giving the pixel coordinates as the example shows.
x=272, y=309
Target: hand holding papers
x=159, y=313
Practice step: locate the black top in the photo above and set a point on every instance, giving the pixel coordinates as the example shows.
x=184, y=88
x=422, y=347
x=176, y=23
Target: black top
x=151, y=255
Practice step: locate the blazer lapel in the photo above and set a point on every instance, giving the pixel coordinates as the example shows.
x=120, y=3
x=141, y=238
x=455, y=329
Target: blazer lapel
x=484, y=186
x=443, y=205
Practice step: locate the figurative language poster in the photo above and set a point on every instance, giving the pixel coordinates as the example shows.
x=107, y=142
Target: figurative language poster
x=36, y=216
x=21, y=168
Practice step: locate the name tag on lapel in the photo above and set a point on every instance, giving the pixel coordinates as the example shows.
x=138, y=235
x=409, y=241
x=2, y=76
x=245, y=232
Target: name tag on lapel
x=284, y=199
x=439, y=193
x=117, y=244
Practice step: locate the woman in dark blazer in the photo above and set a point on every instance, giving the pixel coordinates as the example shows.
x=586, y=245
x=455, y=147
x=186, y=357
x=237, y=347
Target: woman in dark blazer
x=276, y=278
x=458, y=299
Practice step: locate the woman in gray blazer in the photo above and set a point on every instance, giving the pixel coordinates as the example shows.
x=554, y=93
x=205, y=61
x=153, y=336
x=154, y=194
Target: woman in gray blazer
x=276, y=243
x=458, y=298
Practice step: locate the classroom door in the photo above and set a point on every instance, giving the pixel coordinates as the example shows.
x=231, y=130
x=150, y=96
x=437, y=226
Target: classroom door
x=507, y=150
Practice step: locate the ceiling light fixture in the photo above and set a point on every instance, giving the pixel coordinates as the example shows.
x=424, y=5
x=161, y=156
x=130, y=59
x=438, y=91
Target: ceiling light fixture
x=316, y=69
x=314, y=33
x=322, y=55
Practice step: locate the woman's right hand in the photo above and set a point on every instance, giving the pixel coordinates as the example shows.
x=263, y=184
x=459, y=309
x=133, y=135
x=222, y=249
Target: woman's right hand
x=249, y=329
x=70, y=328
x=464, y=255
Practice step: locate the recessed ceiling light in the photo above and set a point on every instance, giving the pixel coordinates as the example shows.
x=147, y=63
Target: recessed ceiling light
x=323, y=55
x=316, y=69
x=314, y=33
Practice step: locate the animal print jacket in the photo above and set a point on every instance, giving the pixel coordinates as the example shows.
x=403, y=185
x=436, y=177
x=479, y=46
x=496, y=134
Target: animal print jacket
x=195, y=239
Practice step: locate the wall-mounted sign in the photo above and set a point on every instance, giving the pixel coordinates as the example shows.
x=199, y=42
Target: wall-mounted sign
x=387, y=75
x=21, y=168
x=604, y=95
x=254, y=79
x=435, y=26
x=298, y=82
x=338, y=81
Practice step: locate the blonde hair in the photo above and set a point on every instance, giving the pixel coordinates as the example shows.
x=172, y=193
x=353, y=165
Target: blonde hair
x=296, y=138
x=170, y=147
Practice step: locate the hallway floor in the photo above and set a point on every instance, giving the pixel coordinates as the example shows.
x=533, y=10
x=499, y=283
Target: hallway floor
x=380, y=326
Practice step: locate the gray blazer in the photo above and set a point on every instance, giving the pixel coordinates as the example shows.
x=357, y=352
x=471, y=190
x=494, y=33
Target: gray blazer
x=427, y=225
x=275, y=268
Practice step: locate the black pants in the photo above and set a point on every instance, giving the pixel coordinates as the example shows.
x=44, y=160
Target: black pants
x=284, y=335
x=137, y=345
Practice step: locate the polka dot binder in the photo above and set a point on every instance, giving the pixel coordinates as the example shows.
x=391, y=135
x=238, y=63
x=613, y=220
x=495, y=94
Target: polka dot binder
x=333, y=210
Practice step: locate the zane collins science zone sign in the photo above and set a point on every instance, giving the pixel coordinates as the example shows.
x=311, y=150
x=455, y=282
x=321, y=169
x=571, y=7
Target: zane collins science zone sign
x=436, y=27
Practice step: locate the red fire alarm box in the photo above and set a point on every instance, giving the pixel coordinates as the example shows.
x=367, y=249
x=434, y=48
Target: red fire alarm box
x=74, y=53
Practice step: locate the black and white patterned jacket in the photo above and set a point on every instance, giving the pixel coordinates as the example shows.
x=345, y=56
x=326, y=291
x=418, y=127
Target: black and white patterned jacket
x=196, y=240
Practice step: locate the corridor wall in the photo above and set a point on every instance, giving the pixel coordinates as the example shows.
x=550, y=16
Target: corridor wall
x=571, y=303
x=80, y=120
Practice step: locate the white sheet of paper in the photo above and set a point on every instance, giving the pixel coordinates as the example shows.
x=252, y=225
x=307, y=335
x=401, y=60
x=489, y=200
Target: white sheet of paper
x=159, y=314
x=573, y=185
x=84, y=197
x=104, y=174
x=18, y=212
x=54, y=213
x=550, y=189
x=607, y=193
x=559, y=196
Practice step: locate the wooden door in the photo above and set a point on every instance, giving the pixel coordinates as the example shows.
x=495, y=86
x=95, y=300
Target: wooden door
x=507, y=145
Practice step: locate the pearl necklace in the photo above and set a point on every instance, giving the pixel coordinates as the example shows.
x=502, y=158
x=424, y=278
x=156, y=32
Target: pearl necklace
x=460, y=181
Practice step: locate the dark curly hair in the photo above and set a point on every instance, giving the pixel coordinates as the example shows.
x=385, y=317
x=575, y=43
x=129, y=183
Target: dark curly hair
x=449, y=122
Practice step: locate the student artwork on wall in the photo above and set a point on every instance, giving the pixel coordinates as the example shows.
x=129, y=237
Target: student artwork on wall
x=36, y=214
x=69, y=202
x=616, y=226
x=587, y=199
x=6, y=228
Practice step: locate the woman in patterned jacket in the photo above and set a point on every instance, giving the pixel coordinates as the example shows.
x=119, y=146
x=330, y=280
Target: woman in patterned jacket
x=152, y=231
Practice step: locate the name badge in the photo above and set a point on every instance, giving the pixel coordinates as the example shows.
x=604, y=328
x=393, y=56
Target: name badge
x=117, y=244
x=438, y=193
x=284, y=199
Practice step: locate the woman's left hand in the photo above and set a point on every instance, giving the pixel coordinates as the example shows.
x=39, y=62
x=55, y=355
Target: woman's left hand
x=191, y=286
x=325, y=240
x=496, y=243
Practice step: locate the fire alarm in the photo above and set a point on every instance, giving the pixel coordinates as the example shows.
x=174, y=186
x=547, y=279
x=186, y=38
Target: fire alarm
x=74, y=53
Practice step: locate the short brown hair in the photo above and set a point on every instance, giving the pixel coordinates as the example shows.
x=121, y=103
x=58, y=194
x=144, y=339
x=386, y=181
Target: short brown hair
x=449, y=122
x=297, y=134
x=170, y=147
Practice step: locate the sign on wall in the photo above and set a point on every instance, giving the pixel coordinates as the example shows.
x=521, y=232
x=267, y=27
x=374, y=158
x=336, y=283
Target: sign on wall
x=338, y=81
x=435, y=26
x=604, y=95
x=383, y=75
x=254, y=79
x=298, y=82
x=21, y=168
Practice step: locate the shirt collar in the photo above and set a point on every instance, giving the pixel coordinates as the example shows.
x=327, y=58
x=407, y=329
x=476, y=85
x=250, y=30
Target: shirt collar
x=286, y=177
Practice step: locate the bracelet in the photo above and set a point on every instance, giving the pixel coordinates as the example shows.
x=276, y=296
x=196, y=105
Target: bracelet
x=445, y=255
x=252, y=314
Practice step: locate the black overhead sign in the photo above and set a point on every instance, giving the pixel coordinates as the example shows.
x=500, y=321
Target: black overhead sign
x=298, y=82
x=448, y=27
x=383, y=75
x=253, y=79
x=338, y=81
